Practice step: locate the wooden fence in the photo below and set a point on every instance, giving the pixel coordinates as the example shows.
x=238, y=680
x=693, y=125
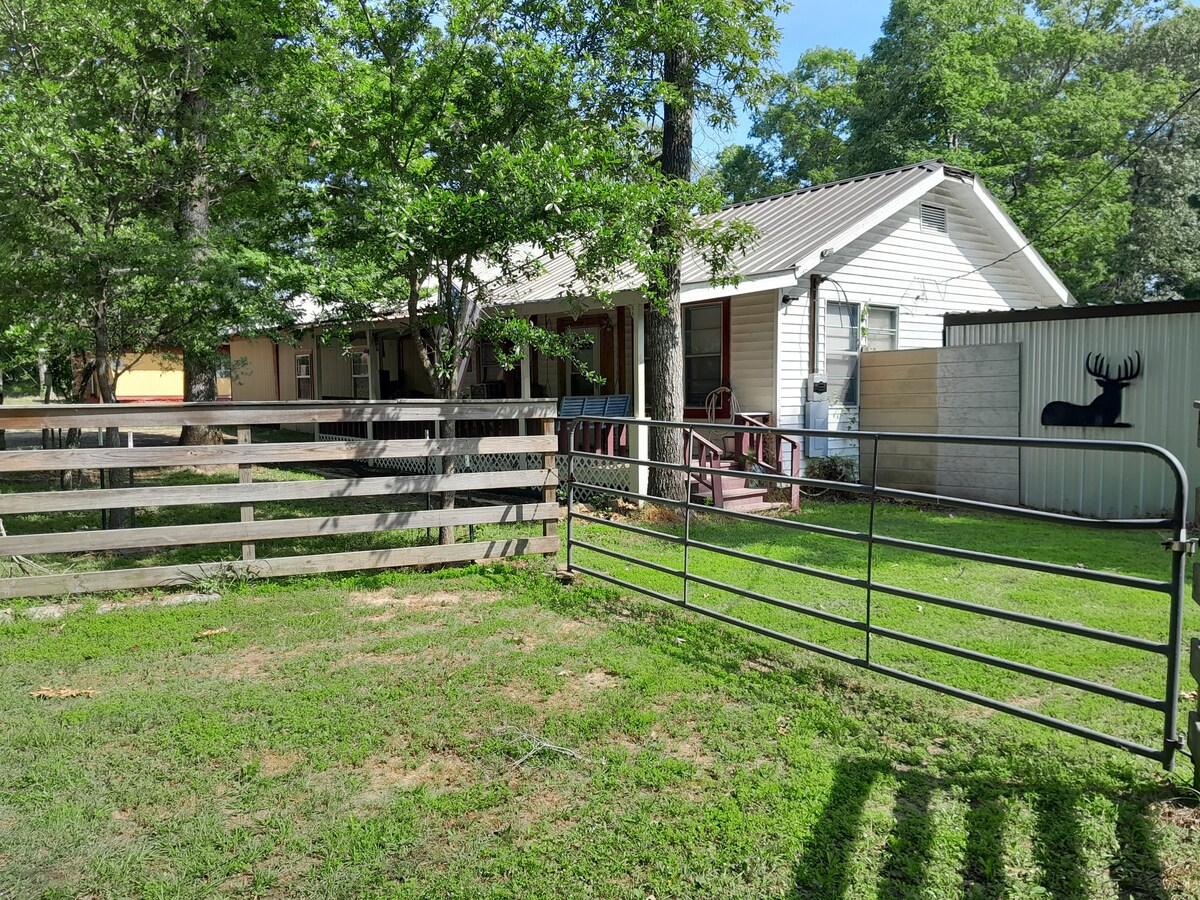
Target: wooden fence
x=490, y=424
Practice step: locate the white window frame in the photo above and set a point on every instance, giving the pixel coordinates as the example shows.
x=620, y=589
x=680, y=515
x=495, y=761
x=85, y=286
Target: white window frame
x=306, y=377
x=837, y=385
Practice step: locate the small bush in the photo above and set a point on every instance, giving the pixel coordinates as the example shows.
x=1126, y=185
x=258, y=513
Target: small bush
x=833, y=468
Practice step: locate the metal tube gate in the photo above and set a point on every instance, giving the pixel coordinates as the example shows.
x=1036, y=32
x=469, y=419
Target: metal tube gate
x=1179, y=546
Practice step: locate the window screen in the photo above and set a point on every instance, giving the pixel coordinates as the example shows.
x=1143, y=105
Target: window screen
x=703, y=338
x=304, y=376
x=842, y=336
x=845, y=338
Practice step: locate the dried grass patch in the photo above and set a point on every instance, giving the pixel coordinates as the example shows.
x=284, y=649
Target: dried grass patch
x=690, y=749
x=654, y=514
x=390, y=604
x=578, y=691
x=1178, y=813
x=255, y=661
x=46, y=693
x=386, y=597
x=436, y=772
x=272, y=764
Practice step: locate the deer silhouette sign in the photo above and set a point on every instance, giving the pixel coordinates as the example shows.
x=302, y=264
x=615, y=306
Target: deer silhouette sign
x=1104, y=411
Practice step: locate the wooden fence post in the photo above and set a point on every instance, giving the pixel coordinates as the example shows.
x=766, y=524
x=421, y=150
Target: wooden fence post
x=246, y=476
x=550, y=492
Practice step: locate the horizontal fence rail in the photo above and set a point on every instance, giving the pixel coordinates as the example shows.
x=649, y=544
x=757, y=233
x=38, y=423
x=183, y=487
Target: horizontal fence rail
x=43, y=557
x=872, y=586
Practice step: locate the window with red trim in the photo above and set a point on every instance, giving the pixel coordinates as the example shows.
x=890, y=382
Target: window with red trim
x=705, y=355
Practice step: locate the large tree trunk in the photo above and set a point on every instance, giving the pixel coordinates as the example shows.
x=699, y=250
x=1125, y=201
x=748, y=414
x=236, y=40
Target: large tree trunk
x=80, y=374
x=664, y=323
x=200, y=386
x=199, y=363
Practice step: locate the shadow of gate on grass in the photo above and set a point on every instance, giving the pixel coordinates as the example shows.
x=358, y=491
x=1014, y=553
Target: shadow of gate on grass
x=1058, y=837
x=1056, y=800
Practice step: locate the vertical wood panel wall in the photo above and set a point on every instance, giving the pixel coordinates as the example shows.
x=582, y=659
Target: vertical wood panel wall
x=945, y=391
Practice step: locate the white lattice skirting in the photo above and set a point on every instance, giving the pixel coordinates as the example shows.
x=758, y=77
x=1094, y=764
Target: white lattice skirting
x=615, y=473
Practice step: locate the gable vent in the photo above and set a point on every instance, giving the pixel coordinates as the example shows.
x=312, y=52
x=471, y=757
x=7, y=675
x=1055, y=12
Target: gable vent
x=933, y=218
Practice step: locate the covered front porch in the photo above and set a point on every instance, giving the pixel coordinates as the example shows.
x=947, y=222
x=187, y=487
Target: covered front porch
x=730, y=353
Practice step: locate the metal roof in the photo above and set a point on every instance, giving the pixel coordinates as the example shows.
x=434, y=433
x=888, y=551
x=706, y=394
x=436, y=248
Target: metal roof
x=790, y=227
x=1082, y=311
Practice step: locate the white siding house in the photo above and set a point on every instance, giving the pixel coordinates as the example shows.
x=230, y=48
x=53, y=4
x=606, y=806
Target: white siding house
x=867, y=263
x=872, y=262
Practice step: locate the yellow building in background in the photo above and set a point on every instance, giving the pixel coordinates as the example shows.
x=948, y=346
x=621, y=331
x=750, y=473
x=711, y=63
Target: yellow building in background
x=157, y=377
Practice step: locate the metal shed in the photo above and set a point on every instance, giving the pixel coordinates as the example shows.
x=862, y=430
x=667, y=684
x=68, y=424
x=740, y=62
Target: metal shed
x=1157, y=343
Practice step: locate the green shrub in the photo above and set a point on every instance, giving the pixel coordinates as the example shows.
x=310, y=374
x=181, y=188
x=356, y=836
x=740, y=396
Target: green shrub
x=833, y=468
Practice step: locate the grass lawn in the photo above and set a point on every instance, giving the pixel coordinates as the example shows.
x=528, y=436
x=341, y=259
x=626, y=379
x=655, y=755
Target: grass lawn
x=1124, y=610
x=371, y=737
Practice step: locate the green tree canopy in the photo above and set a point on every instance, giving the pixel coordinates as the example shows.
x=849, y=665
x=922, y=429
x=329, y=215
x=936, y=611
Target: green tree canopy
x=1041, y=99
x=1158, y=256
x=105, y=153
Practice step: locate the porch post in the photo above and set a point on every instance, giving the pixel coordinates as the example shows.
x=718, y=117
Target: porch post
x=374, y=364
x=372, y=377
x=526, y=386
x=639, y=443
x=316, y=376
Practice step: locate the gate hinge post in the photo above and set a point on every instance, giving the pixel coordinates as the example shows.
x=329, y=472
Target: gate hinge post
x=1187, y=545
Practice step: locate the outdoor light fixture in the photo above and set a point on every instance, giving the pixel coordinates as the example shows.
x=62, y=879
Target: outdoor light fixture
x=788, y=298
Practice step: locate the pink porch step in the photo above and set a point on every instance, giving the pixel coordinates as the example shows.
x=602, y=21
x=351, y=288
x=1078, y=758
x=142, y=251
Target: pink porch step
x=735, y=495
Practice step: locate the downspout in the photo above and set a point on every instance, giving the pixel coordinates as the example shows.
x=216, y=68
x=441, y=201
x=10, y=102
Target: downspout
x=814, y=287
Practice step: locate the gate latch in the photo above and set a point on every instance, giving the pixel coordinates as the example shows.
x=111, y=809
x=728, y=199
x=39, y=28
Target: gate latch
x=1187, y=546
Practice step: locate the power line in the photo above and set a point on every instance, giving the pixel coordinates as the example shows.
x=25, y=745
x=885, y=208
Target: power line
x=1195, y=92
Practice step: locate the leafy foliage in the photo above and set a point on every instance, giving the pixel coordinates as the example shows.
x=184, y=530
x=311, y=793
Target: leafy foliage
x=100, y=162
x=1157, y=256
x=1040, y=99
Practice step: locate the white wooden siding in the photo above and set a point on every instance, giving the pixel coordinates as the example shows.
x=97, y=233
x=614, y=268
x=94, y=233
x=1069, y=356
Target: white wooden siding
x=752, y=350
x=793, y=359
x=898, y=264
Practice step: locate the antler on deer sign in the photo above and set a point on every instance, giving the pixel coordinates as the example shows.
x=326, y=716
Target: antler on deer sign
x=1104, y=411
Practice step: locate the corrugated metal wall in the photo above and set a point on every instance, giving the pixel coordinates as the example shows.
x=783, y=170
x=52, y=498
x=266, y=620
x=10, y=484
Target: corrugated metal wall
x=1158, y=405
